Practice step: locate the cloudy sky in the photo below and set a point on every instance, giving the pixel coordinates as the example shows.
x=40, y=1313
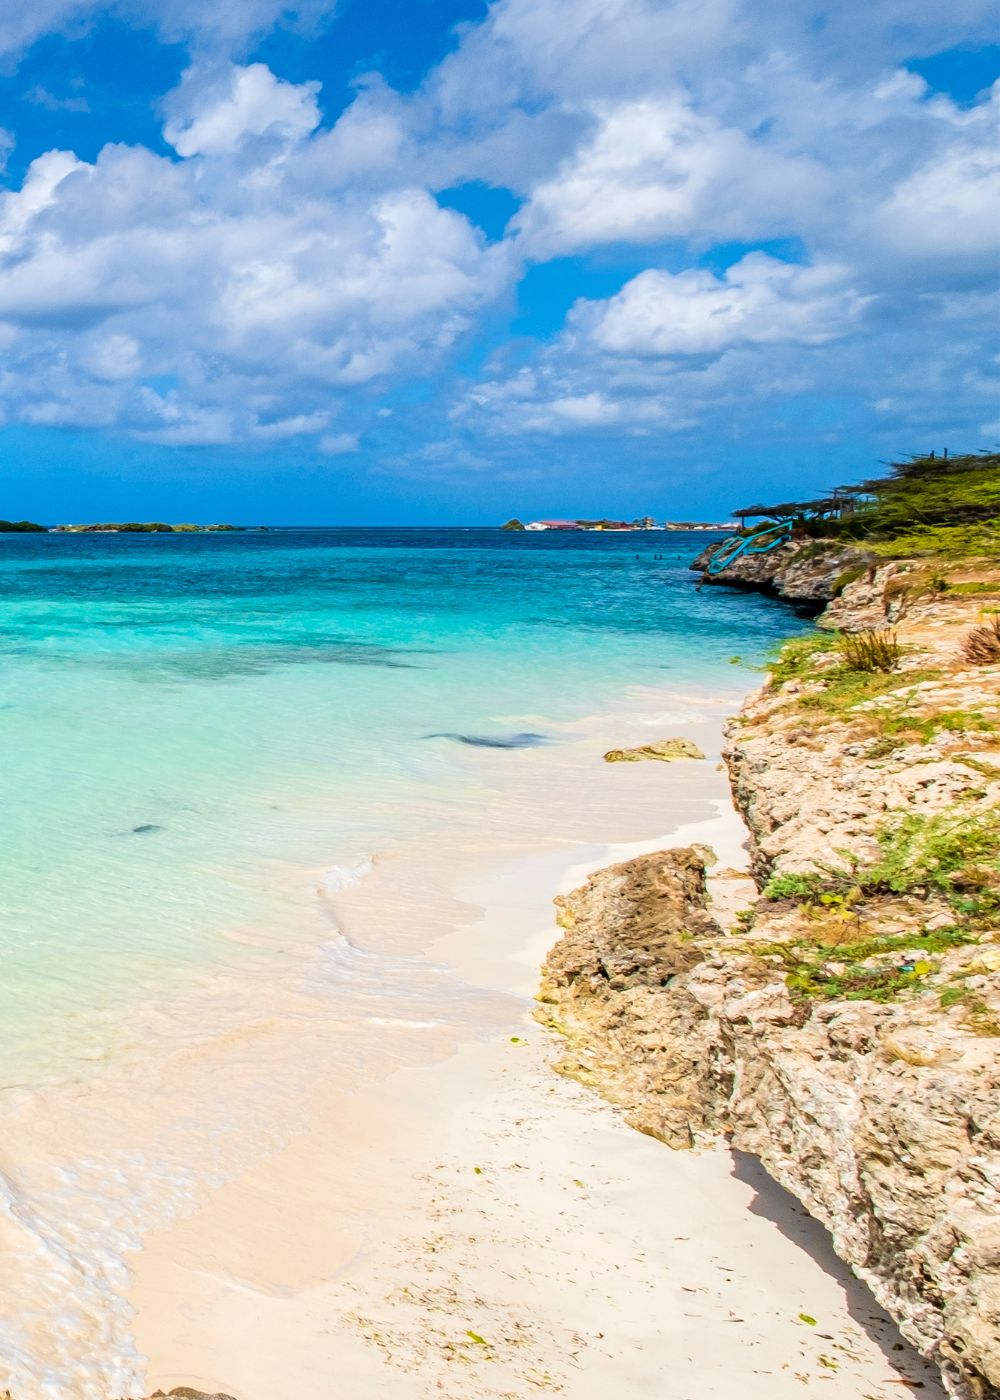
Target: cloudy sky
x=398, y=261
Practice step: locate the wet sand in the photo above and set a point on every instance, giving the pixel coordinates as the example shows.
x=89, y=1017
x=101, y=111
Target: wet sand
x=479, y=1227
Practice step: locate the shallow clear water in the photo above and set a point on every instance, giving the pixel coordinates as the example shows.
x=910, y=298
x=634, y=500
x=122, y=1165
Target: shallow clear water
x=207, y=739
x=184, y=718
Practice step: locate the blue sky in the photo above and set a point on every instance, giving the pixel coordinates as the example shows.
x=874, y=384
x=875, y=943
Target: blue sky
x=444, y=262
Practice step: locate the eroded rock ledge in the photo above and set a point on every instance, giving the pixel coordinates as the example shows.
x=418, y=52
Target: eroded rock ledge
x=847, y=1028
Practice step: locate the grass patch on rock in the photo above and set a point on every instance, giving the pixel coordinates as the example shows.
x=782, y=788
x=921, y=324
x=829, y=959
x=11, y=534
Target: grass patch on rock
x=816, y=971
x=796, y=659
x=843, y=689
x=955, y=852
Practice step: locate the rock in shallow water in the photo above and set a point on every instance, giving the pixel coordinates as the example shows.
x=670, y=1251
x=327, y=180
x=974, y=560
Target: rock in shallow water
x=665, y=750
x=184, y=1392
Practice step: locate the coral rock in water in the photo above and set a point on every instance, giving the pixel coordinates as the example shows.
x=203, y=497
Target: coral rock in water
x=666, y=750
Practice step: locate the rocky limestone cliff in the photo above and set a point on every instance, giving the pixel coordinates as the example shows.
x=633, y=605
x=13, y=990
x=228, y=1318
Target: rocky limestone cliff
x=802, y=572
x=847, y=1028
x=859, y=589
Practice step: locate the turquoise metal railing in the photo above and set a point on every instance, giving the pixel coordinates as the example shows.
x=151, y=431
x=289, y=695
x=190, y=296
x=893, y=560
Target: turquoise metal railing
x=737, y=545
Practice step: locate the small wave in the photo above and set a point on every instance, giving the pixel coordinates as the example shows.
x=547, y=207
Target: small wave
x=497, y=741
x=341, y=877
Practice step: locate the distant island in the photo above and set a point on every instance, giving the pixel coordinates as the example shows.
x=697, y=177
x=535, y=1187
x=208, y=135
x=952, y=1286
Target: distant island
x=645, y=522
x=155, y=527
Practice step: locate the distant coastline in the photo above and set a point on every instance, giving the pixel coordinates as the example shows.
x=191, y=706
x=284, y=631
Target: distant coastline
x=646, y=522
x=155, y=527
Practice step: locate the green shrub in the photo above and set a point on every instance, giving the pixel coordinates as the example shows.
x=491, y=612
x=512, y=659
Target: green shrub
x=980, y=539
x=792, y=886
x=953, y=850
x=870, y=651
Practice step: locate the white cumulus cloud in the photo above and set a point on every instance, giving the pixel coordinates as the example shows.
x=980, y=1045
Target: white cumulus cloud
x=657, y=169
x=277, y=274
x=248, y=102
x=757, y=300
x=262, y=291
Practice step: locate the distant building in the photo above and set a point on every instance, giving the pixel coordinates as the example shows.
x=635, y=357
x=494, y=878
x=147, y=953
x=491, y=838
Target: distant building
x=536, y=525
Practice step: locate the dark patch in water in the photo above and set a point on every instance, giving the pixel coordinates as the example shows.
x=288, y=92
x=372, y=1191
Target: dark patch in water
x=501, y=741
x=234, y=662
x=149, y=826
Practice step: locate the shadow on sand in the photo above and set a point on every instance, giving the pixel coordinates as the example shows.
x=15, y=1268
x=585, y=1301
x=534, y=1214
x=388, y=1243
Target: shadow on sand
x=774, y=1203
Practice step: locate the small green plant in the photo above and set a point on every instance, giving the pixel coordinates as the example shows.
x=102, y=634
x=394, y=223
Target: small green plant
x=937, y=583
x=847, y=577
x=813, y=550
x=883, y=747
x=978, y=1016
x=927, y=727
x=792, y=886
x=796, y=658
x=870, y=651
x=846, y=689
x=809, y=976
x=976, y=587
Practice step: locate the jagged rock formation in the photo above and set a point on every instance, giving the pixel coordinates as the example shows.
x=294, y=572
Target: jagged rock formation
x=917, y=592
x=801, y=573
x=848, y=1029
x=860, y=591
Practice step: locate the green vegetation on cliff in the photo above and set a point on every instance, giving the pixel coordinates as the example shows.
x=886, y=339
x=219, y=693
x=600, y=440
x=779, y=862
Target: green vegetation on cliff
x=929, y=494
x=20, y=527
x=929, y=505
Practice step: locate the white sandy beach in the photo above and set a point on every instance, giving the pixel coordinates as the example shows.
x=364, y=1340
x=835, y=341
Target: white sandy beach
x=480, y=1227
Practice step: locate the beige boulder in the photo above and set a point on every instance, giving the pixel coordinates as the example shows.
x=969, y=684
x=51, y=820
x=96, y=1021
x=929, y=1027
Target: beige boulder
x=665, y=750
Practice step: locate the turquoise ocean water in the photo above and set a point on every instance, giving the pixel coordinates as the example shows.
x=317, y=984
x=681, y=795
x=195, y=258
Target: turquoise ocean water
x=182, y=715
x=201, y=735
